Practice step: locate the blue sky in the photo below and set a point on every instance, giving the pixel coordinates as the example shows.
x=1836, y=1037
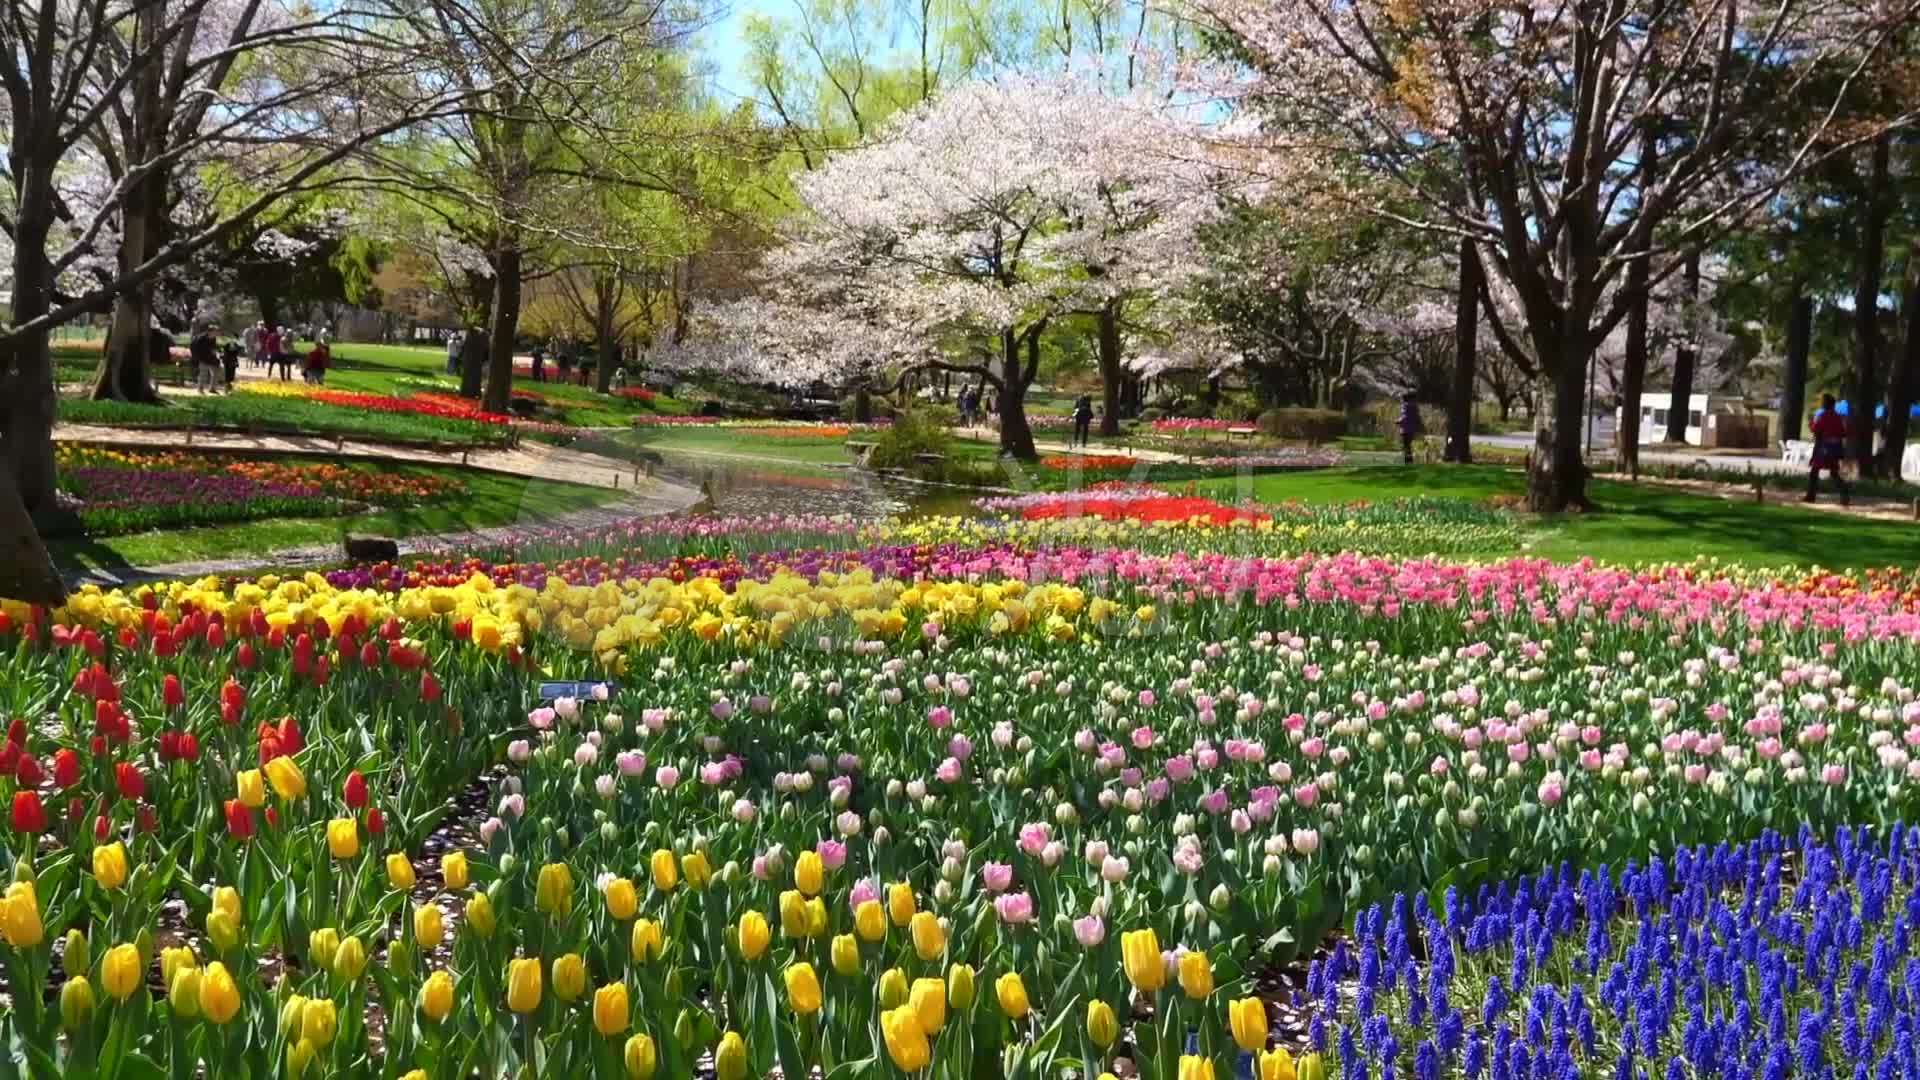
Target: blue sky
x=722, y=46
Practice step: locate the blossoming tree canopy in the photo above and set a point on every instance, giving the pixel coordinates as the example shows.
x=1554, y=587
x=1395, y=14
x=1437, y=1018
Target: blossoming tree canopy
x=1527, y=129
x=999, y=206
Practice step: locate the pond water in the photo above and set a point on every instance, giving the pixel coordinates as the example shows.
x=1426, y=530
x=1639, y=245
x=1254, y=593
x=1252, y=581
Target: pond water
x=737, y=489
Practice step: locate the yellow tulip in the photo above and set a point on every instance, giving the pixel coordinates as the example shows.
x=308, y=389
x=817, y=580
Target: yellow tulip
x=928, y=999
x=343, y=837
x=554, y=892
x=300, y=1055
x=641, y=1058
x=696, y=869
x=183, y=993
x=436, y=996
x=322, y=945
x=319, y=1021
x=223, y=931
x=1194, y=1067
x=20, y=916
x=288, y=781
x=870, y=920
x=809, y=873
x=523, y=984
x=906, y=1043
x=900, y=905
x=647, y=942
x=666, y=872
x=793, y=913
x=480, y=915
x=1196, y=975
x=845, y=953
x=226, y=898
x=1102, y=1026
x=399, y=872
x=454, y=872
x=1276, y=1065
x=1247, y=1019
x=815, y=911
x=960, y=986
x=172, y=960
x=1012, y=994
x=429, y=929
x=77, y=955
x=754, y=935
x=76, y=1003
x=623, y=900
x=110, y=865
x=414, y=1074
x=730, y=1057
x=251, y=788
x=610, y=1009
x=219, y=995
x=121, y=971
x=893, y=988
x=929, y=938
x=803, y=989
x=350, y=959
x=569, y=977
x=1140, y=955
x=1311, y=1067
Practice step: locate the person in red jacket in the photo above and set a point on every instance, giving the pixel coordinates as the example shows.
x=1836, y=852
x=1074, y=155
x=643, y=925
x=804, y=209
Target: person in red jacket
x=1829, y=449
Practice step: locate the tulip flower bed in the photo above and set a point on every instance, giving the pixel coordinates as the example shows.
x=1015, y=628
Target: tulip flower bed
x=1123, y=502
x=906, y=810
x=112, y=501
x=1758, y=960
x=374, y=488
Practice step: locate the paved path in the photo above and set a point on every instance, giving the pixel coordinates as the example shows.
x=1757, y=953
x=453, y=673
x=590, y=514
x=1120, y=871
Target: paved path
x=531, y=459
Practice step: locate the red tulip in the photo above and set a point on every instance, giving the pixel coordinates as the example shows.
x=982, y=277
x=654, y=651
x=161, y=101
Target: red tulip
x=76, y=811
x=390, y=629
x=429, y=687
x=321, y=630
x=257, y=623
x=239, y=820
x=462, y=630
x=216, y=636
x=369, y=655
x=128, y=639
x=355, y=790
x=28, y=772
x=273, y=818
x=376, y=825
x=66, y=767
x=277, y=638
x=189, y=746
x=111, y=722
x=17, y=733
x=171, y=693
x=9, y=758
x=321, y=670
x=245, y=657
x=163, y=645
x=102, y=828
x=302, y=654
x=348, y=647
x=28, y=815
x=233, y=700
x=127, y=777
x=91, y=642
x=6, y=623
x=290, y=736
x=148, y=818
x=97, y=746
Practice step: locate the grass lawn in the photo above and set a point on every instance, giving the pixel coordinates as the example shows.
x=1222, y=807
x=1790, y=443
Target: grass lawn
x=1639, y=523
x=723, y=441
x=491, y=499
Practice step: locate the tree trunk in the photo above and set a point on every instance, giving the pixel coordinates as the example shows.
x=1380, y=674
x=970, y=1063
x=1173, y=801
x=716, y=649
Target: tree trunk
x=609, y=359
x=1633, y=377
x=475, y=352
x=862, y=404
x=506, y=327
x=1557, y=477
x=1016, y=435
x=28, y=399
x=124, y=373
x=1793, y=392
x=1466, y=329
x=1906, y=368
x=1111, y=374
x=605, y=295
x=1866, y=308
x=1680, y=406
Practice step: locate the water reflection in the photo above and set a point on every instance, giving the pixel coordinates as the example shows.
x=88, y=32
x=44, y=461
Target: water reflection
x=736, y=490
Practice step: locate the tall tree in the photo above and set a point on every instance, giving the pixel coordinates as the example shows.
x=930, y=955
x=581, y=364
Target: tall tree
x=1540, y=110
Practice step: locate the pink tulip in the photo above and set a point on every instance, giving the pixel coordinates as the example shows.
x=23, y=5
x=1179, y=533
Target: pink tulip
x=1015, y=908
x=1089, y=931
x=997, y=877
x=666, y=776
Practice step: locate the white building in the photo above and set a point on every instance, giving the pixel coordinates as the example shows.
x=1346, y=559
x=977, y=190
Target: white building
x=1700, y=412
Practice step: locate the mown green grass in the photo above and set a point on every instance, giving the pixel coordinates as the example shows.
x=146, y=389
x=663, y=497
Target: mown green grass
x=1637, y=523
x=724, y=441
x=492, y=499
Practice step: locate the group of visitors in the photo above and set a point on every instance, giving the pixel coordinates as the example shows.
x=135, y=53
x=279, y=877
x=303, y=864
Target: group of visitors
x=976, y=404
x=277, y=349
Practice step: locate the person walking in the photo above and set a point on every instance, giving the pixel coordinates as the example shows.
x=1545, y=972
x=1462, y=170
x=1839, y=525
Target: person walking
x=539, y=363
x=1829, y=450
x=230, y=363
x=453, y=352
x=250, y=342
x=1409, y=426
x=317, y=361
x=1082, y=419
x=206, y=360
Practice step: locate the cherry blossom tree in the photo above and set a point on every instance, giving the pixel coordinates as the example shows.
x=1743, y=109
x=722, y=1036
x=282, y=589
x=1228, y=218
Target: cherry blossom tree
x=982, y=216
x=1521, y=128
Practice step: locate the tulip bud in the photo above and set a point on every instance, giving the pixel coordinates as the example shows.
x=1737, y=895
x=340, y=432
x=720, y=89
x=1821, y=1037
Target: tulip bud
x=1102, y=1026
x=223, y=931
x=322, y=944
x=960, y=986
x=350, y=959
x=893, y=988
x=683, y=1029
x=76, y=1003
x=300, y=1055
x=77, y=956
x=1219, y=898
x=846, y=955
x=480, y=915
x=641, y=1058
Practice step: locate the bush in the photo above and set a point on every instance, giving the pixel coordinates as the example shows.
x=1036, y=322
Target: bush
x=915, y=432
x=1312, y=425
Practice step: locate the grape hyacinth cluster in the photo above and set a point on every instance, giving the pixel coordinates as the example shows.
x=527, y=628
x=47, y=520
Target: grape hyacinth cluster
x=1760, y=961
